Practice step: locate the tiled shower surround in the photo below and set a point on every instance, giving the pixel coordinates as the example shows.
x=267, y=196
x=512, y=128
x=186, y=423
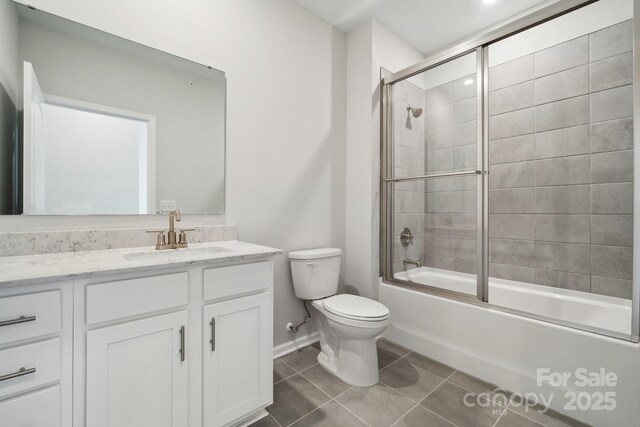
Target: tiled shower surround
x=561, y=165
x=560, y=174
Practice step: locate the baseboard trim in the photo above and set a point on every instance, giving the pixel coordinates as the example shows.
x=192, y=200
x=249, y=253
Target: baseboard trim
x=295, y=344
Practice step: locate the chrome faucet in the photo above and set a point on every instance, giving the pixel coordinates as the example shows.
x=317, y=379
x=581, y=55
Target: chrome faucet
x=406, y=261
x=176, y=240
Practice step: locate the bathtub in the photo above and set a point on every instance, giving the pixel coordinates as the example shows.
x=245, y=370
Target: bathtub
x=599, y=311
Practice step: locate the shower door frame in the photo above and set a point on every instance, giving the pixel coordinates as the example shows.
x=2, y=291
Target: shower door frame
x=480, y=45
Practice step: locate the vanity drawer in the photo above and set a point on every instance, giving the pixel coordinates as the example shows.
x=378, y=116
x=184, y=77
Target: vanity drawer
x=38, y=409
x=29, y=315
x=223, y=282
x=130, y=297
x=41, y=360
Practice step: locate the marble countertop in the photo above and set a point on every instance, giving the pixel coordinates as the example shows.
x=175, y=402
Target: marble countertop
x=29, y=269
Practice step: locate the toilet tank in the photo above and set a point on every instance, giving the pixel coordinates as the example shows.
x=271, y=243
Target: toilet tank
x=315, y=272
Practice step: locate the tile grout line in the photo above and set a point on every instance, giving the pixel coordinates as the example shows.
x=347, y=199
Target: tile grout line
x=523, y=415
x=439, y=416
x=399, y=392
x=274, y=419
x=307, y=414
x=405, y=414
x=335, y=399
x=295, y=371
x=418, y=403
x=504, y=411
x=282, y=360
x=426, y=370
x=471, y=391
x=351, y=412
x=435, y=388
x=313, y=384
x=331, y=399
x=287, y=377
x=429, y=394
x=350, y=387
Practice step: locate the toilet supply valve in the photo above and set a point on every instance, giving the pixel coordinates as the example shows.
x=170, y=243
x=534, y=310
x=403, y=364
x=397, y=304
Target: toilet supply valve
x=295, y=328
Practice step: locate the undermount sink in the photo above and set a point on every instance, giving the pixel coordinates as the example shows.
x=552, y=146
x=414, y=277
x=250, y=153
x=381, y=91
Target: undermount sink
x=153, y=254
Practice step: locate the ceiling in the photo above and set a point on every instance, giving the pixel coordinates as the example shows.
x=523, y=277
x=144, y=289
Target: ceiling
x=427, y=25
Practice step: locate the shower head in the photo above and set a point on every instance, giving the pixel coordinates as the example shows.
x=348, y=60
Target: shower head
x=415, y=112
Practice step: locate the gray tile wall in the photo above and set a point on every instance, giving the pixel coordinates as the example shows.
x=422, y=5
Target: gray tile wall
x=561, y=165
x=450, y=203
x=409, y=160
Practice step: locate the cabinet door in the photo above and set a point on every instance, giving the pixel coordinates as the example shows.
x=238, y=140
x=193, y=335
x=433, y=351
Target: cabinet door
x=137, y=373
x=237, y=358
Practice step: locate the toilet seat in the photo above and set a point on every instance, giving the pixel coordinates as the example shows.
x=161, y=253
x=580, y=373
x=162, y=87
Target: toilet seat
x=355, y=308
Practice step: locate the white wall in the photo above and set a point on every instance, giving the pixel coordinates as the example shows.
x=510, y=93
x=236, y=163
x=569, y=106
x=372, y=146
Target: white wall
x=285, y=118
x=369, y=47
x=360, y=183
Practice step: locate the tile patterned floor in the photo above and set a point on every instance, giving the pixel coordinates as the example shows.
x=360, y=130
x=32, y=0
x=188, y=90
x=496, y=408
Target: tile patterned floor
x=413, y=391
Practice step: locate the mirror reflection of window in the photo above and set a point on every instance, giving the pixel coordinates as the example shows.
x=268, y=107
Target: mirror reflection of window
x=85, y=159
x=78, y=144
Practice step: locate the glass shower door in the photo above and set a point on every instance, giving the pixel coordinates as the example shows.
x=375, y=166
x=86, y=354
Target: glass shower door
x=434, y=183
x=509, y=170
x=560, y=106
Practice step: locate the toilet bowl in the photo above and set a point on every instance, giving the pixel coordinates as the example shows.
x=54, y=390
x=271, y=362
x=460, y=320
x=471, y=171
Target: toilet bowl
x=348, y=324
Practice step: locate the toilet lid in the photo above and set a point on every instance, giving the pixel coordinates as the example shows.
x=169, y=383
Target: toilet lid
x=355, y=307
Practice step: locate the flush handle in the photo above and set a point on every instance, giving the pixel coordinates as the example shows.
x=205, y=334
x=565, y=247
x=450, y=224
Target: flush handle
x=311, y=264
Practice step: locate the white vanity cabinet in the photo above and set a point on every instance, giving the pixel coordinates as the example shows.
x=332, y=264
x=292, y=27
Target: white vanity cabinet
x=166, y=346
x=174, y=347
x=237, y=357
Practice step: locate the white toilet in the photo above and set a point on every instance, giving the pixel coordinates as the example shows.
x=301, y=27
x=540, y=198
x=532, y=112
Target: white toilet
x=348, y=324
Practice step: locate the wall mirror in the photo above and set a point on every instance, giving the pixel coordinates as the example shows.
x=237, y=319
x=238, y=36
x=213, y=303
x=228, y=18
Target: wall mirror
x=94, y=124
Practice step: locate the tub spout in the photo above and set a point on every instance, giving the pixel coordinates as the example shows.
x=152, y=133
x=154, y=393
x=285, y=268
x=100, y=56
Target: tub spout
x=407, y=261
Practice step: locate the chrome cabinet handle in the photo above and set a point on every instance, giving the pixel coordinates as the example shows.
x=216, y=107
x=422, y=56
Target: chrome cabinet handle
x=22, y=372
x=213, y=334
x=21, y=319
x=182, y=349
